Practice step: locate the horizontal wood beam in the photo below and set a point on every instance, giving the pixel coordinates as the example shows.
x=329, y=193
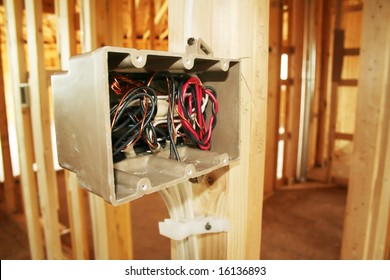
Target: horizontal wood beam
x=351, y=51
x=348, y=82
x=287, y=82
x=287, y=50
x=343, y=136
x=353, y=8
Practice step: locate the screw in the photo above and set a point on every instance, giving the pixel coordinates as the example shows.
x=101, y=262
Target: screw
x=207, y=226
x=191, y=41
x=210, y=180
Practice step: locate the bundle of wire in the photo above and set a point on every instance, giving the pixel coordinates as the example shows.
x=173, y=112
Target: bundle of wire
x=134, y=108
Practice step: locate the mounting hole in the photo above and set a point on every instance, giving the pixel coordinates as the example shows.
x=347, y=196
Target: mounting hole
x=138, y=58
x=225, y=65
x=189, y=172
x=144, y=187
x=188, y=61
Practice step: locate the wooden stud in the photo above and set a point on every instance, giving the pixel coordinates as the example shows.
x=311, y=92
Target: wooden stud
x=118, y=217
x=14, y=14
x=77, y=217
x=98, y=215
x=318, y=14
x=9, y=184
x=40, y=106
x=367, y=209
x=337, y=60
x=111, y=226
x=273, y=101
x=119, y=232
x=65, y=10
x=295, y=37
x=323, y=112
x=226, y=27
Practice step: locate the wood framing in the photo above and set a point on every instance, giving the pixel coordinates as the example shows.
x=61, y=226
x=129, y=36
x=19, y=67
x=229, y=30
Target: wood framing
x=343, y=89
x=295, y=38
x=40, y=116
x=9, y=184
x=323, y=108
x=319, y=28
x=367, y=209
x=14, y=14
x=273, y=100
x=234, y=29
x=66, y=34
x=111, y=226
x=337, y=60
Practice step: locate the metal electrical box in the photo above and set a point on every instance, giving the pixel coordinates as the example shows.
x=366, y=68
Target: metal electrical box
x=93, y=94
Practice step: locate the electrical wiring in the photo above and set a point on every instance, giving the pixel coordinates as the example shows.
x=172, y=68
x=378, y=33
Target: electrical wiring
x=137, y=119
x=160, y=110
x=194, y=125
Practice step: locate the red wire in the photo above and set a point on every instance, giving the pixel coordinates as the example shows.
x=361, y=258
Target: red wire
x=205, y=130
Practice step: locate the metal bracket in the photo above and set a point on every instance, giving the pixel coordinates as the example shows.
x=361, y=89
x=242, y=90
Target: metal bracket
x=25, y=94
x=198, y=47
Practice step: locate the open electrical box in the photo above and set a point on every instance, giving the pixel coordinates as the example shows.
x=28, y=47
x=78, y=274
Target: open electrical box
x=131, y=122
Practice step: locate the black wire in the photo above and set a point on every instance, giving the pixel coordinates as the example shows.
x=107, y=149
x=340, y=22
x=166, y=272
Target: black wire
x=133, y=133
x=174, y=153
x=126, y=128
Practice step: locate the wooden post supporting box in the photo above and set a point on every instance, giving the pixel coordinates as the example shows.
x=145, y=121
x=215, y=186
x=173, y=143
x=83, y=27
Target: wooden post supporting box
x=233, y=29
x=367, y=210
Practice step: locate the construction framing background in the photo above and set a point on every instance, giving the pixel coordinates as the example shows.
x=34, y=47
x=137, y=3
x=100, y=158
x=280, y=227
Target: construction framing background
x=233, y=29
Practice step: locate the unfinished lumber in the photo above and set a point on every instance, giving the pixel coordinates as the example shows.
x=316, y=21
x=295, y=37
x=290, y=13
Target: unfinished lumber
x=111, y=226
x=324, y=88
x=273, y=101
x=367, y=208
x=233, y=29
x=66, y=33
x=295, y=40
x=314, y=121
x=40, y=115
x=337, y=60
x=9, y=184
x=119, y=235
x=96, y=204
x=14, y=14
